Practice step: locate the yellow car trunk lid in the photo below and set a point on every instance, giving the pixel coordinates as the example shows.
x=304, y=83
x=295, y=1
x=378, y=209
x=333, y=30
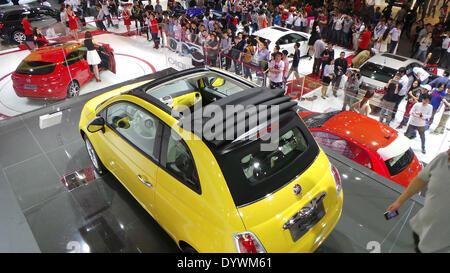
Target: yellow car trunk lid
x=267, y=217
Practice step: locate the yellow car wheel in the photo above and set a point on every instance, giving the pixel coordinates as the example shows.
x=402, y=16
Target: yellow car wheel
x=98, y=165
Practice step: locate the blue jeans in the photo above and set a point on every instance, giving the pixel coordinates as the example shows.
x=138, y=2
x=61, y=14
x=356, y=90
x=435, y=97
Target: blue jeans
x=336, y=36
x=420, y=55
x=392, y=46
x=345, y=38
x=247, y=70
x=410, y=133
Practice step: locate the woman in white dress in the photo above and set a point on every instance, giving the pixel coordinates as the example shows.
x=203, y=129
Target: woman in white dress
x=92, y=55
x=363, y=106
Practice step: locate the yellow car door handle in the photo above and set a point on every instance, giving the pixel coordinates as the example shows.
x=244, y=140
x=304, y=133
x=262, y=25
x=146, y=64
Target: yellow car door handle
x=148, y=184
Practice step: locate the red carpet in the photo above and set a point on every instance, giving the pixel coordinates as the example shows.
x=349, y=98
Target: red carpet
x=294, y=88
x=311, y=83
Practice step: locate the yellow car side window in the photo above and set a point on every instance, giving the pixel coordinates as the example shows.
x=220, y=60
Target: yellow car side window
x=134, y=124
x=180, y=163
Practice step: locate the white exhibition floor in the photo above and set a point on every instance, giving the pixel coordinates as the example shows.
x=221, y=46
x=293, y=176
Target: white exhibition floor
x=132, y=57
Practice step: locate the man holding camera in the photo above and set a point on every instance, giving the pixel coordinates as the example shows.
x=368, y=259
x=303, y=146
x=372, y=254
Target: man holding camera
x=340, y=69
x=390, y=99
x=351, y=87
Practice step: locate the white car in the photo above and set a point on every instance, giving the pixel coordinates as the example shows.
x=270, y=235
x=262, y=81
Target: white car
x=380, y=68
x=6, y=3
x=285, y=38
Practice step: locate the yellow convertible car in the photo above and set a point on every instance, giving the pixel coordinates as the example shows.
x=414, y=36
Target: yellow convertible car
x=210, y=193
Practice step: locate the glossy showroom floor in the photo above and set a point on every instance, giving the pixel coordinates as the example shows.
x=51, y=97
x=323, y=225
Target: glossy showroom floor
x=41, y=214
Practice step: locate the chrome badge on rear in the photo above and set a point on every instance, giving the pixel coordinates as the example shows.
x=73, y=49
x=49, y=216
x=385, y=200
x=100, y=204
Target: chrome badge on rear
x=297, y=189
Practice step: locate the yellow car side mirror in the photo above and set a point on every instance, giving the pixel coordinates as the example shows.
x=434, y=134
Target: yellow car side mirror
x=96, y=125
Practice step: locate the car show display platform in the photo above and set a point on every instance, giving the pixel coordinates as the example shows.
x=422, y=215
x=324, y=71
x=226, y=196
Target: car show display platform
x=52, y=201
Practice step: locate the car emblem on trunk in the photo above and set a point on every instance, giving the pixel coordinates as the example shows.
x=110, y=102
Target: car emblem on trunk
x=28, y=80
x=297, y=189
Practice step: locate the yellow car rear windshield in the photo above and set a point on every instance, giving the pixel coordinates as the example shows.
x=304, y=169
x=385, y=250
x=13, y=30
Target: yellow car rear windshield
x=251, y=173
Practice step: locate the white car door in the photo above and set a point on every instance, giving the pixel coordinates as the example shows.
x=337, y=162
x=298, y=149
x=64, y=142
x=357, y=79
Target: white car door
x=303, y=41
x=288, y=41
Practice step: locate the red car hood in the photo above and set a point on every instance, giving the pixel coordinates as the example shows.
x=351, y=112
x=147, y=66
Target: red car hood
x=373, y=133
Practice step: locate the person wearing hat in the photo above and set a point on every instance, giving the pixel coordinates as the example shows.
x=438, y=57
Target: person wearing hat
x=424, y=89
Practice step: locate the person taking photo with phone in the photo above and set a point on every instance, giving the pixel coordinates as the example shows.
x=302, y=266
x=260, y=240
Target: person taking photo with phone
x=430, y=224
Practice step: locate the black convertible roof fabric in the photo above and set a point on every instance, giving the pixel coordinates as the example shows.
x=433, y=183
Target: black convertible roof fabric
x=258, y=97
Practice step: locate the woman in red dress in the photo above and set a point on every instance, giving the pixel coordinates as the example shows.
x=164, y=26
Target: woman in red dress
x=39, y=38
x=126, y=14
x=73, y=26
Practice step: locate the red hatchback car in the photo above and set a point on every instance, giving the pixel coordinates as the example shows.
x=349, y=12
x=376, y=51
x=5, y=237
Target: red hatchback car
x=365, y=141
x=58, y=71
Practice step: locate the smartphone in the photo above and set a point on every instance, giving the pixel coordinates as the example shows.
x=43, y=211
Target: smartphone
x=391, y=215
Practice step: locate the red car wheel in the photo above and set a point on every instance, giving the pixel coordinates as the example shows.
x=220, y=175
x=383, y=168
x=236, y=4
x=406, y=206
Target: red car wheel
x=73, y=89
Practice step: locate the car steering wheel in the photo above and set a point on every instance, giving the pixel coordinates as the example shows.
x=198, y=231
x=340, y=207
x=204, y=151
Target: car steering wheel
x=145, y=127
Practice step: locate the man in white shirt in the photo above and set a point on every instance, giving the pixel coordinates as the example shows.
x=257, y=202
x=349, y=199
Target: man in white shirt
x=405, y=86
x=289, y=20
x=395, y=36
x=298, y=22
x=337, y=30
x=276, y=68
x=419, y=114
x=379, y=30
